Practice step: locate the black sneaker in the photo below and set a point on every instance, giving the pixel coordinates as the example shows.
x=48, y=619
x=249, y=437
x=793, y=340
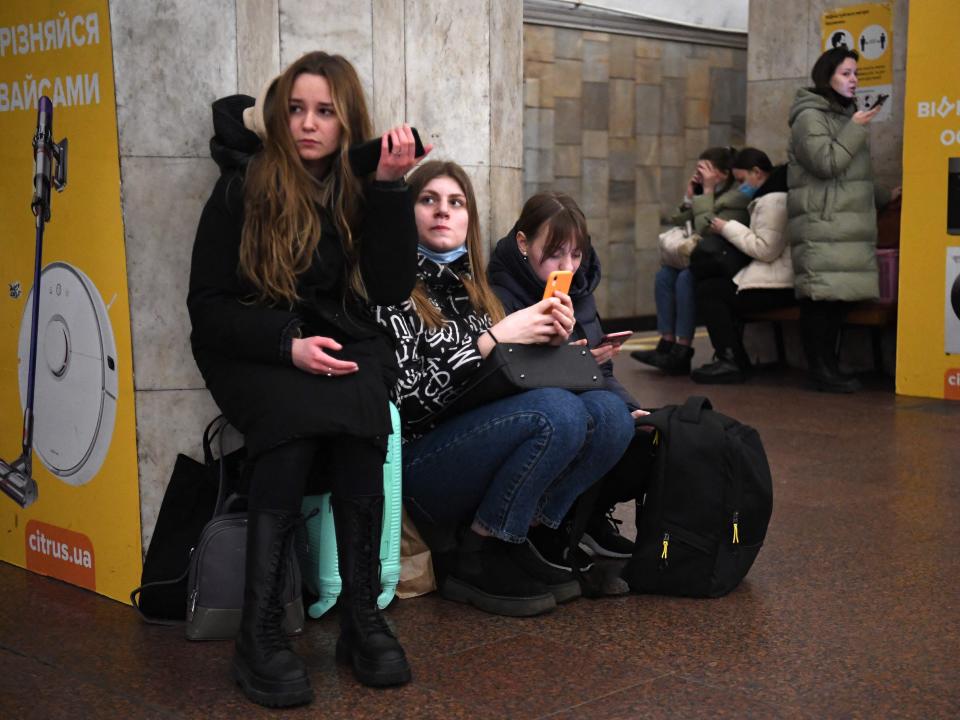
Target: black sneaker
x=602, y=537
x=554, y=547
x=559, y=581
x=487, y=577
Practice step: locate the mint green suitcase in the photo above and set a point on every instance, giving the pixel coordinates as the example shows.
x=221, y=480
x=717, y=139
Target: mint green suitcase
x=322, y=573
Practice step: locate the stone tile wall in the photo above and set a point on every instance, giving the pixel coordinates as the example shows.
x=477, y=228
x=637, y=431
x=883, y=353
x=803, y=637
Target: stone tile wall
x=617, y=122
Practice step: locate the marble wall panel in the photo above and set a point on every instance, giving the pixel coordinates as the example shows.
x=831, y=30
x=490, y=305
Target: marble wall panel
x=621, y=108
x=673, y=106
x=389, y=99
x=569, y=78
x=622, y=56
x=595, y=144
x=538, y=43
x=506, y=199
x=696, y=141
x=596, y=176
x=258, y=37
x=168, y=422
x=159, y=245
x=647, y=71
x=674, y=59
x=648, y=185
x=568, y=43
x=673, y=183
x=623, y=154
x=568, y=125
x=538, y=165
x=596, y=105
x=647, y=221
x=647, y=262
x=546, y=74
x=768, y=56
x=698, y=78
x=720, y=134
x=697, y=112
x=620, y=293
x=454, y=103
x=672, y=150
x=596, y=61
x=179, y=51
x=648, y=149
x=538, y=128
x=768, y=106
x=342, y=27
x=531, y=92
x=649, y=101
x=566, y=162
x=648, y=48
x=728, y=94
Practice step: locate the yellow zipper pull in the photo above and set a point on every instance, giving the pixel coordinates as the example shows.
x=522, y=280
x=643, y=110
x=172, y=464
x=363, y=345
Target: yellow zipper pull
x=736, y=529
x=656, y=438
x=666, y=545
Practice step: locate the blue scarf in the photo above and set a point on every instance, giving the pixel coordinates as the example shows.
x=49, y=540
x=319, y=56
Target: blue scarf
x=443, y=258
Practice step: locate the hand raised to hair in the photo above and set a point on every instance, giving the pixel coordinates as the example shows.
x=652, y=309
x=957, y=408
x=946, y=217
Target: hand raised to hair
x=398, y=161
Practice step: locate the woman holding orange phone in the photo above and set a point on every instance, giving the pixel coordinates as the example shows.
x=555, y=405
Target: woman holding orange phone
x=551, y=238
x=505, y=472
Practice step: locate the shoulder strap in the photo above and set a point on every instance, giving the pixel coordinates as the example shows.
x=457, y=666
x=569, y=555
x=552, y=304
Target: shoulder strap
x=691, y=409
x=135, y=594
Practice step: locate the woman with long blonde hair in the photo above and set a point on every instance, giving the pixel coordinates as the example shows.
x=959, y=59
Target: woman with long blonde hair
x=496, y=471
x=289, y=252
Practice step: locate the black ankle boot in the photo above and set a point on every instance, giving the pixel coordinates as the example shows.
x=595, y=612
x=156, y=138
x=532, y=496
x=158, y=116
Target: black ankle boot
x=724, y=370
x=366, y=641
x=677, y=361
x=825, y=378
x=487, y=576
x=655, y=356
x=264, y=666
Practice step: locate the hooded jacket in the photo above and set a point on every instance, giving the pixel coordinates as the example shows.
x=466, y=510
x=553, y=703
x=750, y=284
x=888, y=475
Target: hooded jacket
x=831, y=202
x=765, y=238
x=241, y=346
x=517, y=287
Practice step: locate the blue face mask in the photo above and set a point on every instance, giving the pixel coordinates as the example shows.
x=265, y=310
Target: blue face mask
x=443, y=258
x=748, y=190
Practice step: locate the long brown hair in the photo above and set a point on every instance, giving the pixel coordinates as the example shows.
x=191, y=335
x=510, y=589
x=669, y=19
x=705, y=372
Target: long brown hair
x=475, y=278
x=281, y=226
x=564, y=218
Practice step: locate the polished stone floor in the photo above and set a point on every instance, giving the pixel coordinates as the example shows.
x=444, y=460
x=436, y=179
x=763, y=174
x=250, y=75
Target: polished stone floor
x=851, y=610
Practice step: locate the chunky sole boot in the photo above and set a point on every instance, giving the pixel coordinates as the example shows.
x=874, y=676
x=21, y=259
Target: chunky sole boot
x=366, y=641
x=724, y=370
x=509, y=605
x=264, y=665
x=272, y=691
x=488, y=577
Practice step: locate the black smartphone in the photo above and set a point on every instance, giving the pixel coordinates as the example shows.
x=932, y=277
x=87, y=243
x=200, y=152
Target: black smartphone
x=697, y=189
x=881, y=99
x=365, y=157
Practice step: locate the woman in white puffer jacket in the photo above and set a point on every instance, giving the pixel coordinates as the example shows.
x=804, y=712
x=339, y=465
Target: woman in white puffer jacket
x=764, y=284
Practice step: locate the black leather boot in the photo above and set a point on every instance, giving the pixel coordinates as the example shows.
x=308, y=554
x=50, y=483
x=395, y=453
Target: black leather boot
x=264, y=666
x=366, y=641
x=655, y=356
x=724, y=370
x=819, y=344
x=677, y=361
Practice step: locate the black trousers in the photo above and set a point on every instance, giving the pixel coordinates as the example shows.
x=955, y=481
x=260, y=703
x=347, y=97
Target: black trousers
x=820, y=322
x=346, y=466
x=719, y=305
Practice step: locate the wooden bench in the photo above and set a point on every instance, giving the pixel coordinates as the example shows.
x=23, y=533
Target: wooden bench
x=875, y=315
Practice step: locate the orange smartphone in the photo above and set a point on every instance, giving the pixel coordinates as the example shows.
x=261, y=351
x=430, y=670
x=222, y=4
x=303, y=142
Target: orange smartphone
x=558, y=281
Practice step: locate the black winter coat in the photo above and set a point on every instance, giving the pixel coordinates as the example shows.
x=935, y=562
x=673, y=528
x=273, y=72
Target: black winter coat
x=241, y=346
x=517, y=286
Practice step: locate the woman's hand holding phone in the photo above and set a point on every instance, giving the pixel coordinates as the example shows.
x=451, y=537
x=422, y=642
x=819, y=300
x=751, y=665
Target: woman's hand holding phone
x=564, y=320
x=534, y=325
x=398, y=153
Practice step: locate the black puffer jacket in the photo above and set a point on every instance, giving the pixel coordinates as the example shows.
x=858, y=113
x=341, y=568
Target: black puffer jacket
x=241, y=346
x=517, y=286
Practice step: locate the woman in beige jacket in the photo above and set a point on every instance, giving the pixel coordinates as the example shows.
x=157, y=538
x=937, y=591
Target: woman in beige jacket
x=766, y=283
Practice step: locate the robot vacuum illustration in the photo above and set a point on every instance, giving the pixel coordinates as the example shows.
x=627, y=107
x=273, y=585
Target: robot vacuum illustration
x=76, y=379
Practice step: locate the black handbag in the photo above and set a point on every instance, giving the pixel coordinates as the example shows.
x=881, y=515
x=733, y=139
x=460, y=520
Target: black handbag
x=513, y=368
x=715, y=256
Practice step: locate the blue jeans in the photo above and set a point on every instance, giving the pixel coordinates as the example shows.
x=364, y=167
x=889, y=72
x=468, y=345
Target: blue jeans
x=521, y=459
x=676, y=300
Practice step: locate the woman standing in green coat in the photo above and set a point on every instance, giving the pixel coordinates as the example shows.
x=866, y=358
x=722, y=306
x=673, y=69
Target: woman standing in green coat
x=831, y=206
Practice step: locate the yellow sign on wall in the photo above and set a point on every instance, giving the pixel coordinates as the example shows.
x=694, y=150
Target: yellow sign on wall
x=868, y=29
x=84, y=525
x=928, y=337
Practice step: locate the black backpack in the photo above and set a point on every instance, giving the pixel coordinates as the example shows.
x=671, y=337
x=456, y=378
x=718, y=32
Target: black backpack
x=704, y=515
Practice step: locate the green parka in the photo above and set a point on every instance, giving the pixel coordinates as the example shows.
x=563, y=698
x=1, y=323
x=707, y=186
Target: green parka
x=831, y=203
x=730, y=205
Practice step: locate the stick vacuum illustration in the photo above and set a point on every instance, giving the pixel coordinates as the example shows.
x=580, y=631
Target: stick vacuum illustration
x=16, y=478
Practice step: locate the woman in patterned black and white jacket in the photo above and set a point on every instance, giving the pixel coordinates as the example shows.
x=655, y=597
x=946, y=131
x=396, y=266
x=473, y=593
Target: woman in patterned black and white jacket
x=513, y=467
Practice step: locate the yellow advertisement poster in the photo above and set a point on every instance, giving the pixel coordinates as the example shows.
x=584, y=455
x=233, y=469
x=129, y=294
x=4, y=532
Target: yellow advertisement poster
x=69, y=505
x=868, y=29
x=928, y=337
